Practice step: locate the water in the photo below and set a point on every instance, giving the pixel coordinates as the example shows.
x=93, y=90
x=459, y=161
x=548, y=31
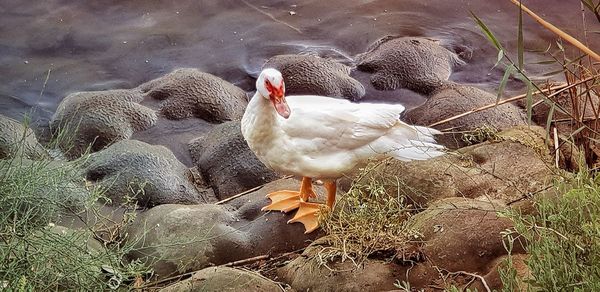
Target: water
x=96, y=45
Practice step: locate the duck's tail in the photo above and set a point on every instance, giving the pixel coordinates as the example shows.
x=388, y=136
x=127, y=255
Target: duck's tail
x=406, y=142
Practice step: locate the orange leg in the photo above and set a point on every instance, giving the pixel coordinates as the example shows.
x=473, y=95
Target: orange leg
x=331, y=187
x=286, y=201
x=308, y=213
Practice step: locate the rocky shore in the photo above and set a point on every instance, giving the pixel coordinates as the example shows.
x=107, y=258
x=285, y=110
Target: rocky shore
x=199, y=218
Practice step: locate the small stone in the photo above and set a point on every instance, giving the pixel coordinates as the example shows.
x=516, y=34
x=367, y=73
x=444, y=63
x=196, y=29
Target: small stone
x=292, y=13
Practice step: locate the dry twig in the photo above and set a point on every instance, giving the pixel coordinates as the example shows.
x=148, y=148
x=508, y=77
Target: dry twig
x=247, y=192
x=559, y=89
x=557, y=31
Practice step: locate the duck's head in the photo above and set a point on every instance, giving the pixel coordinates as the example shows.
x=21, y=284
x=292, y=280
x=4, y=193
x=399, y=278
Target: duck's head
x=270, y=85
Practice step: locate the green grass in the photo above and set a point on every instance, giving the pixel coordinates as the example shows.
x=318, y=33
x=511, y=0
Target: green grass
x=563, y=238
x=38, y=255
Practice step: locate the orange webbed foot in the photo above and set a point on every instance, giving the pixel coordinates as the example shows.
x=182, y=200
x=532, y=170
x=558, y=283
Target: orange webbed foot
x=286, y=201
x=308, y=215
x=283, y=201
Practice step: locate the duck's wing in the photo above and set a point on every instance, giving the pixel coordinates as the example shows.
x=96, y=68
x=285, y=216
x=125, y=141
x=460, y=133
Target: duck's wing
x=319, y=122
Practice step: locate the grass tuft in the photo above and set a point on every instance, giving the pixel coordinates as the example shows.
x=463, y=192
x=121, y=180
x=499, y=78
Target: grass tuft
x=367, y=219
x=480, y=135
x=563, y=237
x=37, y=254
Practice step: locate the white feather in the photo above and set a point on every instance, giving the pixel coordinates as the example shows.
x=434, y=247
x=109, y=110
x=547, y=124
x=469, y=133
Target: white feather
x=325, y=137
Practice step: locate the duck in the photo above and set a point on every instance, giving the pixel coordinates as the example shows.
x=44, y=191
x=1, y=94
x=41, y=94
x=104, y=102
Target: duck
x=322, y=138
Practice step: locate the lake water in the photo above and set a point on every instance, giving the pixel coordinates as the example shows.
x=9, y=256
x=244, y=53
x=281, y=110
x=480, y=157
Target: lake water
x=51, y=48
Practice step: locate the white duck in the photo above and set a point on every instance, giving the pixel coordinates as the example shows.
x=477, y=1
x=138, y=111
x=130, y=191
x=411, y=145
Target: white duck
x=318, y=137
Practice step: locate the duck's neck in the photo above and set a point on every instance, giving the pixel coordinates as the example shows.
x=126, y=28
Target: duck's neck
x=259, y=120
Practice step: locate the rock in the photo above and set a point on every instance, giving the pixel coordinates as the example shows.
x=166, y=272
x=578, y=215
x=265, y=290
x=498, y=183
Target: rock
x=570, y=158
x=189, y=92
x=151, y=173
x=459, y=235
x=224, y=279
x=98, y=119
x=419, y=64
x=305, y=273
x=493, y=279
x=310, y=74
x=226, y=162
x=462, y=234
x=181, y=238
x=176, y=239
x=92, y=246
x=270, y=232
x=18, y=141
x=453, y=99
x=456, y=234
x=516, y=163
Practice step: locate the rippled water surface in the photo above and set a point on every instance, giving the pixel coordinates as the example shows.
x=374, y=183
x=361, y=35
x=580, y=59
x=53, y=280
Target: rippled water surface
x=51, y=48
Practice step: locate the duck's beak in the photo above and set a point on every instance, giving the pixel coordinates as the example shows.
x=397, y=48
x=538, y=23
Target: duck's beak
x=278, y=99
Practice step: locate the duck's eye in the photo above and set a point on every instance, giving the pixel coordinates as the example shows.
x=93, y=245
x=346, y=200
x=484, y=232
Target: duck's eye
x=268, y=85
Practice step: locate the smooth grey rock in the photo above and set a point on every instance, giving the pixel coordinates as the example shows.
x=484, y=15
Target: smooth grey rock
x=419, y=64
x=176, y=239
x=97, y=119
x=189, y=92
x=310, y=74
x=18, y=141
x=151, y=173
x=224, y=279
x=226, y=162
x=453, y=99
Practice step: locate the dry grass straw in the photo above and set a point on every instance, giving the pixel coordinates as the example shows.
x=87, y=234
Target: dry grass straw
x=574, y=106
x=367, y=219
x=582, y=99
x=562, y=233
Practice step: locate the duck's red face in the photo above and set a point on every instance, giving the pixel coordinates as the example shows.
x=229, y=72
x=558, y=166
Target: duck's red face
x=277, y=97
